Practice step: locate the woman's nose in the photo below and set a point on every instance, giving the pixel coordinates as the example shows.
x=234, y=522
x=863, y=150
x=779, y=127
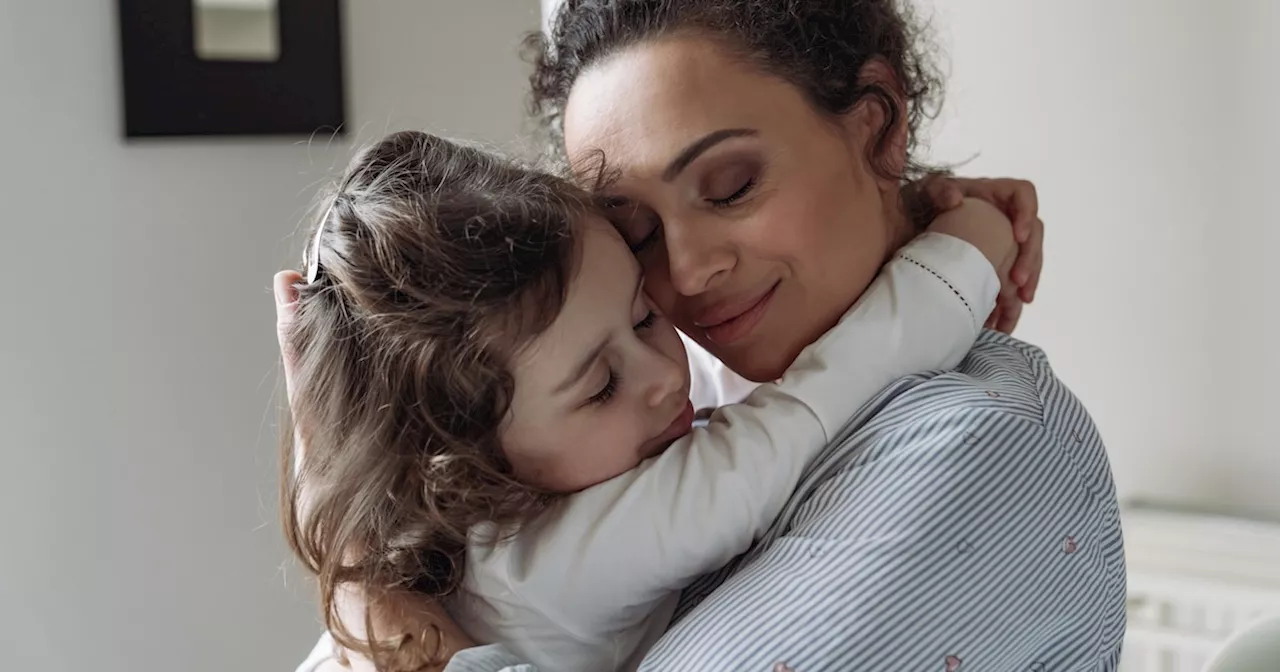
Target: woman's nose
x=696, y=260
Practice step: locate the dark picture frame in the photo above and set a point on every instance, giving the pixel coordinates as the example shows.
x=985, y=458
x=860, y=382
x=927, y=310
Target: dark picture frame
x=170, y=91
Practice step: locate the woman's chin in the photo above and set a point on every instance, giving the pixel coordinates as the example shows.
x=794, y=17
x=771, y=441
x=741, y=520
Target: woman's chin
x=766, y=356
x=761, y=364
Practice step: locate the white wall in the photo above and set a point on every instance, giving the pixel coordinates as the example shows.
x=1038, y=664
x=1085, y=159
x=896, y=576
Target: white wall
x=137, y=358
x=1148, y=126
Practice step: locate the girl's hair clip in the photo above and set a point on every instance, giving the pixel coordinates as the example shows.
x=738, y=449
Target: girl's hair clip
x=313, y=259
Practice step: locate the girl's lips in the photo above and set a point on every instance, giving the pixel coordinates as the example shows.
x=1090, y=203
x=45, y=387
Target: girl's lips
x=682, y=425
x=738, y=326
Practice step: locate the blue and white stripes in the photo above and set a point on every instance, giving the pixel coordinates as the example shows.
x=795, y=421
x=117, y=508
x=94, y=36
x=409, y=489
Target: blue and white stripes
x=961, y=522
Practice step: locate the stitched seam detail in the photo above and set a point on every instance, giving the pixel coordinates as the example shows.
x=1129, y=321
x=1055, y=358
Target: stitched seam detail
x=944, y=281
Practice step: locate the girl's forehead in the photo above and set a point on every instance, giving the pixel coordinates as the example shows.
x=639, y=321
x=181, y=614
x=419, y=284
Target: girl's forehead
x=602, y=288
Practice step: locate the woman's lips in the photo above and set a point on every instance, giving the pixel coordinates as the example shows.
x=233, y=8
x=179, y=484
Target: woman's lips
x=738, y=326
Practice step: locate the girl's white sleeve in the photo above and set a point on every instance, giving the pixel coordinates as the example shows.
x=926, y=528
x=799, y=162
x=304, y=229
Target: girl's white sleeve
x=321, y=654
x=580, y=589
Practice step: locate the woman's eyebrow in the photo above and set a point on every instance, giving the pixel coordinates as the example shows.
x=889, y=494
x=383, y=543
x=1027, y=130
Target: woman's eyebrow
x=697, y=147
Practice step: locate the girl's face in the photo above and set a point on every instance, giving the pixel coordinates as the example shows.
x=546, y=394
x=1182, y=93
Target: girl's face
x=606, y=386
x=757, y=220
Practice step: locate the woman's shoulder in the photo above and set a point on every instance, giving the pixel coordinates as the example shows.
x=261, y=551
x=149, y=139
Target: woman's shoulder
x=1000, y=376
x=1002, y=406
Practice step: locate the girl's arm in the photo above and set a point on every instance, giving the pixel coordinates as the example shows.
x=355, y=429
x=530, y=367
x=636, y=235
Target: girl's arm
x=711, y=383
x=592, y=573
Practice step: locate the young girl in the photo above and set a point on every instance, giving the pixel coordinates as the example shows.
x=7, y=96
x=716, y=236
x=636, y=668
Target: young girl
x=495, y=416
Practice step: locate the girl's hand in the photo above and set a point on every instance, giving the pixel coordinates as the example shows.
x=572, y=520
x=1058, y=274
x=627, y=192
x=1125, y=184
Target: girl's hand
x=1017, y=199
x=284, y=286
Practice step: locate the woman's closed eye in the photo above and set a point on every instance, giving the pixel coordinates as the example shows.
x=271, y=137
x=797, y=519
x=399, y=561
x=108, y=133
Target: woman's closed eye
x=646, y=242
x=723, y=186
x=611, y=385
x=643, y=227
x=647, y=321
x=737, y=195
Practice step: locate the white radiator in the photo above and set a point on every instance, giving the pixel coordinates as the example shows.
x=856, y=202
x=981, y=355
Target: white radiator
x=1194, y=579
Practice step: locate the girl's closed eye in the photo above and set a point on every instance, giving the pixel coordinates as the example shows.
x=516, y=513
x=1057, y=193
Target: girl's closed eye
x=611, y=385
x=606, y=393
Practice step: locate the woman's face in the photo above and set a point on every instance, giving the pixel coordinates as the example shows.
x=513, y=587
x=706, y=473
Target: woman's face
x=757, y=219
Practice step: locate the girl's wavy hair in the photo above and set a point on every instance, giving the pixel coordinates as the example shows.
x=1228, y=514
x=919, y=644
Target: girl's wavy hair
x=819, y=46
x=434, y=263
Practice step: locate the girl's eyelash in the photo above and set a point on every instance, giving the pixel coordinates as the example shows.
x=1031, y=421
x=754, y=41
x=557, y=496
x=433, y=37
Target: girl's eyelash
x=611, y=386
x=734, y=197
x=606, y=393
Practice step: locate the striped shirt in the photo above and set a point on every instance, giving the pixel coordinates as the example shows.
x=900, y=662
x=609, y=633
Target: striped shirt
x=962, y=521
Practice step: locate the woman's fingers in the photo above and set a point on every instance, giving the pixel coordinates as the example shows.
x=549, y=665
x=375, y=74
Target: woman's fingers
x=944, y=192
x=1010, y=313
x=1026, y=269
x=1022, y=205
x=285, y=288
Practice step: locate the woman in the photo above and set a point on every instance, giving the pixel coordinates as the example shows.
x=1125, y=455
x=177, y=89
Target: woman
x=756, y=152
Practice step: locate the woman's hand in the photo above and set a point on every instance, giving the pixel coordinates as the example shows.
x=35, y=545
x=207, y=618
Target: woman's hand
x=1017, y=199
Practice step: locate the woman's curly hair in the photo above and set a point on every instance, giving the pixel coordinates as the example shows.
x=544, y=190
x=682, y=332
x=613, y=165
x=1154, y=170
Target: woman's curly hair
x=820, y=46
x=434, y=263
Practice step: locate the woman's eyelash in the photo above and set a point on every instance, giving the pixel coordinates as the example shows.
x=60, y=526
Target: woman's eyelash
x=652, y=237
x=734, y=197
x=606, y=393
x=648, y=321
x=647, y=241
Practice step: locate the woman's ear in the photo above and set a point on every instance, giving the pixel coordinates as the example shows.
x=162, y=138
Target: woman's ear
x=878, y=121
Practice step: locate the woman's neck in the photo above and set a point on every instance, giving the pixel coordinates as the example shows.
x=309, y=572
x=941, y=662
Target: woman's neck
x=905, y=218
